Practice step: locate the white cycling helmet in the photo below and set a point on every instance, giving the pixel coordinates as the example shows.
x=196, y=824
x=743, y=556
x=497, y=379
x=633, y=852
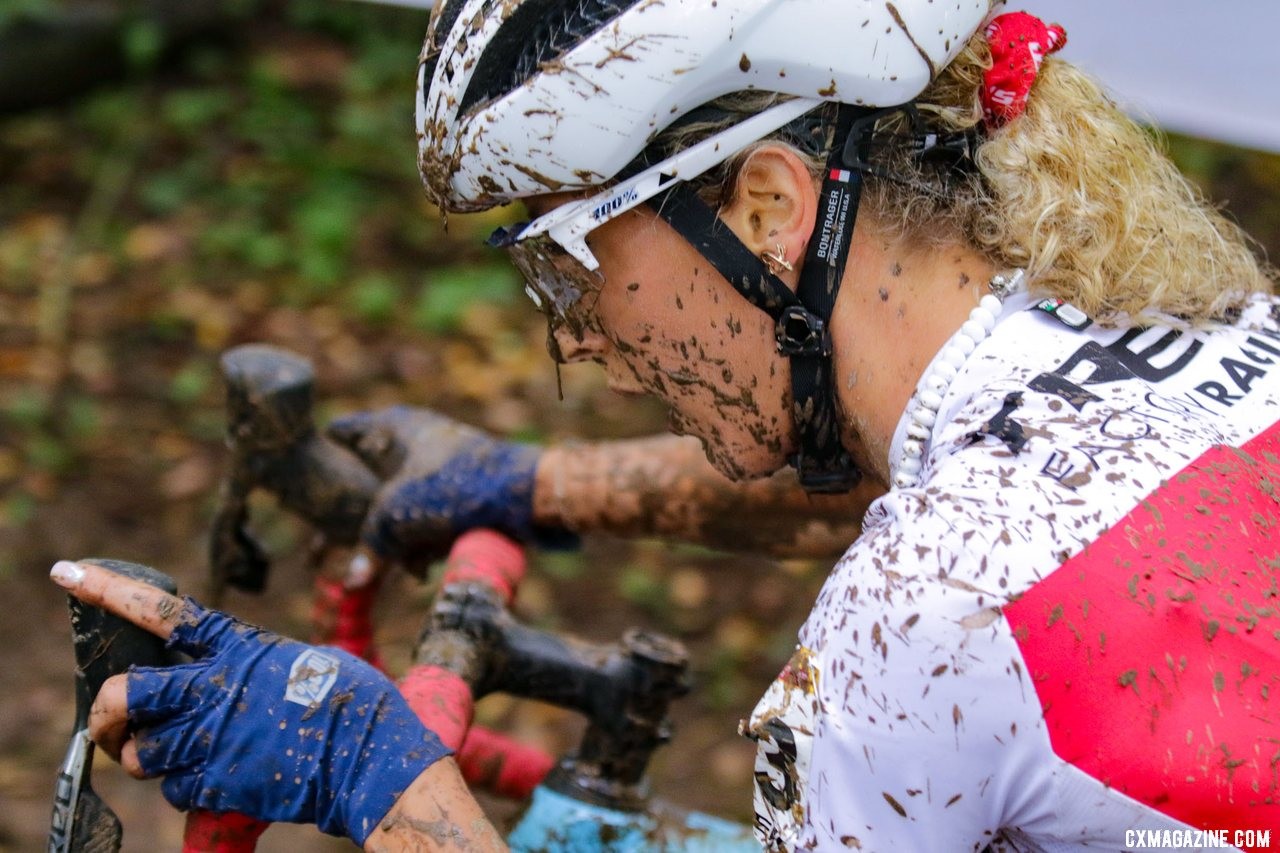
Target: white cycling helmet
x=521, y=98
x=524, y=97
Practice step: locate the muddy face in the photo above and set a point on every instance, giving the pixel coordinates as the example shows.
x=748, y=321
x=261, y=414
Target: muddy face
x=667, y=324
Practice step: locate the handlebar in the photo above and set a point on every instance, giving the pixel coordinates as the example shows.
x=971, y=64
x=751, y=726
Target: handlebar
x=470, y=646
x=624, y=689
x=275, y=446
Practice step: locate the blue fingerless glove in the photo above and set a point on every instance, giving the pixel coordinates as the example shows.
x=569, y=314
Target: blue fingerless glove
x=486, y=483
x=275, y=729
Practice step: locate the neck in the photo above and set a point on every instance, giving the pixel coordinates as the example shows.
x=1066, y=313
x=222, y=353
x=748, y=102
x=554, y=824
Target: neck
x=897, y=307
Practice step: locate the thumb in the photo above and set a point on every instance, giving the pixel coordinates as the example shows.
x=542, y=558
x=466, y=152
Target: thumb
x=350, y=429
x=371, y=438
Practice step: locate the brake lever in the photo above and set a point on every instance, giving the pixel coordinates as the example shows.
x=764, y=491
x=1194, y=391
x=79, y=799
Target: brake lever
x=105, y=645
x=275, y=446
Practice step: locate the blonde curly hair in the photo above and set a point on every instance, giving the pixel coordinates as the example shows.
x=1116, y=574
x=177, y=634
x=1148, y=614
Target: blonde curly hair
x=1073, y=190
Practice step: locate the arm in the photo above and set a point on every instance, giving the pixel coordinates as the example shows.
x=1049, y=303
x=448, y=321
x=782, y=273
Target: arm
x=443, y=477
x=664, y=486
x=436, y=812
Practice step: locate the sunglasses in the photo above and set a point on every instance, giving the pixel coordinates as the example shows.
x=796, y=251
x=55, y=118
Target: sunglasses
x=551, y=252
x=555, y=280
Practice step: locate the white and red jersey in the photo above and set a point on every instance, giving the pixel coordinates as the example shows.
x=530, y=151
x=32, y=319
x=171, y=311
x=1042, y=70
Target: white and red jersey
x=1068, y=635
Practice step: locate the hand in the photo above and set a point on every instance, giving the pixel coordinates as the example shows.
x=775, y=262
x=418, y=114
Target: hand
x=256, y=723
x=442, y=479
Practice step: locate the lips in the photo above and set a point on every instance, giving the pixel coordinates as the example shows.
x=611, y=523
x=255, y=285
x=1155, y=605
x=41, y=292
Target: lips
x=626, y=390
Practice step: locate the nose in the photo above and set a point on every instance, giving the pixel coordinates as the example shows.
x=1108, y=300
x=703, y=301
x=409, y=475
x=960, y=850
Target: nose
x=567, y=346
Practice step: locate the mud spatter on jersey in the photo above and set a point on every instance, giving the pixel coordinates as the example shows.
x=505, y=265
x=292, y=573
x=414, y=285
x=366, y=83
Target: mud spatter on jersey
x=1069, y=629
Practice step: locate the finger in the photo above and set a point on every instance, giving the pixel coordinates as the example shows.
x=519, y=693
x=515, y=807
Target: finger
x=180, y=789
x=176, y=745
x=204, y=632
x=157, y=693
x=366, y=568
x=109, y=716
x=391, y=541
x=129, y=759
x=142, y=604
x=372, y=439
x=407, y=521
x=349, y=429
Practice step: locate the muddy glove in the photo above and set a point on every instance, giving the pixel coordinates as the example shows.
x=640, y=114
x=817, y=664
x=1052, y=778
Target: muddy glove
x=275, y=729
x=442, y=479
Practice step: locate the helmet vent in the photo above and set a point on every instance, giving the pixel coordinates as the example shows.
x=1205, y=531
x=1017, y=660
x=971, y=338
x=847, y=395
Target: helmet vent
x=436, y=35
x=538, y=31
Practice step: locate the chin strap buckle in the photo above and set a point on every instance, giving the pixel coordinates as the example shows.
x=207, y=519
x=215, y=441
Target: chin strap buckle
x=801, y=332
x=835, y=477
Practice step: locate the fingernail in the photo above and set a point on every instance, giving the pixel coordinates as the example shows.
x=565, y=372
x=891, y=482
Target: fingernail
x=359, y=572
x=66, y=573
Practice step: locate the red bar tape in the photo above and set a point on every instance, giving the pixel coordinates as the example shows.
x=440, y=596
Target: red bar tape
x=442, y=700
x=496, y=763
x=484, y=556
x=343, y=618
x=207, y=832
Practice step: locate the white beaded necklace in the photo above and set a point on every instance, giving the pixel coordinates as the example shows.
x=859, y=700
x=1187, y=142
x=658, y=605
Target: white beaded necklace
x=923, y=413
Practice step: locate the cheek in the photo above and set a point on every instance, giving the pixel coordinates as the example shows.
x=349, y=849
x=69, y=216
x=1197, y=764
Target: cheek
x=706, y=353
x=666, y=333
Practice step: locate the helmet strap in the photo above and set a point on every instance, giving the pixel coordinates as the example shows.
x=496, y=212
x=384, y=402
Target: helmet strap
x=801, y=318
x=822, y=461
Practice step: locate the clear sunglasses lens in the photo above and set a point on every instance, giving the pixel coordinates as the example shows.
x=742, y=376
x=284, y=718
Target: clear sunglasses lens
x=554, y=279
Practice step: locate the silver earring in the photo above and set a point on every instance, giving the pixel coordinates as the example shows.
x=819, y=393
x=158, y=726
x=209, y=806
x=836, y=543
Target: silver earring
x=776, y=260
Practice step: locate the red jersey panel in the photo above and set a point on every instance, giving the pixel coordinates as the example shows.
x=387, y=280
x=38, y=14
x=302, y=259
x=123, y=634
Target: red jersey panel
x=1168, y=624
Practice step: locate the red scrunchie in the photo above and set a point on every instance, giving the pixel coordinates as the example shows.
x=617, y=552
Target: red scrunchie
x=1019, y=43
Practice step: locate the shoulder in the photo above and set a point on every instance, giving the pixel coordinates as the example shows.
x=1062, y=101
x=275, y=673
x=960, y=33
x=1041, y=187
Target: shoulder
x=1052, y=435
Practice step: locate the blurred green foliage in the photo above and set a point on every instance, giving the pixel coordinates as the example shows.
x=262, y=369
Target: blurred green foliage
x=15, y=10
x=226, y=191
x=447, y=292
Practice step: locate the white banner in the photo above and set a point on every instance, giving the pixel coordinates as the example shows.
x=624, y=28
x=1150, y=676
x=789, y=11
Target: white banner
x=1204, y=69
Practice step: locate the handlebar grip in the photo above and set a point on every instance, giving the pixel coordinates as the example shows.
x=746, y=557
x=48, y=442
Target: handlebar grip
x=441, y=698
x=486, y=557
x=275, y=446
x=107, y=644
x=207, y=832
x=503, y=766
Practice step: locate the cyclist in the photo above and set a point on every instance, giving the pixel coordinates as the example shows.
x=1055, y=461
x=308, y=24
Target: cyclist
x=895, y=241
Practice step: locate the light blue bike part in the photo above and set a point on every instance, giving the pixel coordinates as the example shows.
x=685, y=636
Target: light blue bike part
x=558, y=823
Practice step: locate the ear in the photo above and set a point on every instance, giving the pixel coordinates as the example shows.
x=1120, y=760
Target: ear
x=775, y=204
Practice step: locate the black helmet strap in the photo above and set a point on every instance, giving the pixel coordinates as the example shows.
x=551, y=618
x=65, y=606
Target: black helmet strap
x=802, y=318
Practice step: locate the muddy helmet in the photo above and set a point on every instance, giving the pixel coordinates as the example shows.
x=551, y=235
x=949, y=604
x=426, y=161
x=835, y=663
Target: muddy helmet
x=525, y=97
